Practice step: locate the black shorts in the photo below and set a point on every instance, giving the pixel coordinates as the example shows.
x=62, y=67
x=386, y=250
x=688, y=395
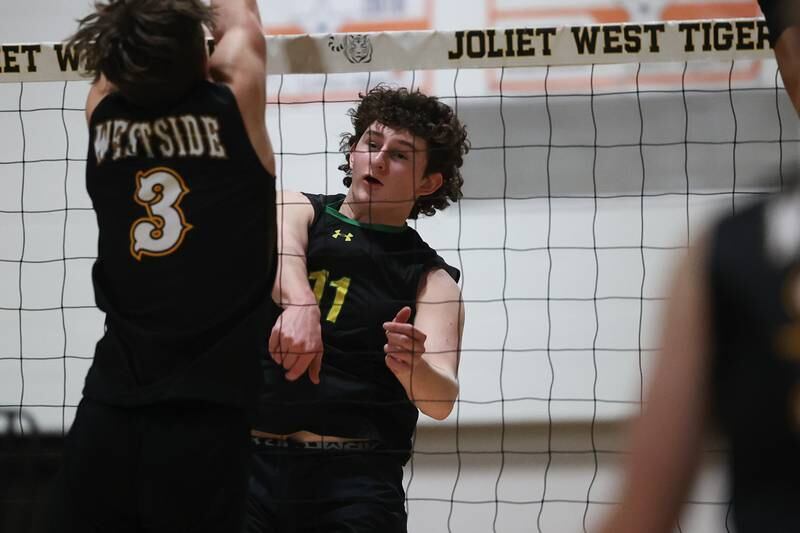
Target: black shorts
x=297, y=488
x=162, y=468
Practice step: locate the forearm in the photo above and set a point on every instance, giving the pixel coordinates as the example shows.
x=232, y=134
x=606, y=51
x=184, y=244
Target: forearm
x=660, y=471
x=432, y=383
x=291, y=285
x=231, y=13
x=432, y=390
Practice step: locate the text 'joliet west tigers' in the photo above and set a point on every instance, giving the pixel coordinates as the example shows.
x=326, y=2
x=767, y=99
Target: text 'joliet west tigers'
x=611, y=39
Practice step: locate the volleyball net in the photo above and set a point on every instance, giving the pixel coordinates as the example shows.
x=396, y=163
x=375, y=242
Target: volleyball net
x=598, y=154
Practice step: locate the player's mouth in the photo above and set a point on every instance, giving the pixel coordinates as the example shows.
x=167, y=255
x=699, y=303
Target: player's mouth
x=372, y=181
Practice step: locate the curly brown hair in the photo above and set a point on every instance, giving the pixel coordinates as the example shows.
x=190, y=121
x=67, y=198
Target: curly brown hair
x=153, y=51
x=425, y=117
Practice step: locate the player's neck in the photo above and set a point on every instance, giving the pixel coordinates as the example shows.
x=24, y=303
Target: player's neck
x=372, y=213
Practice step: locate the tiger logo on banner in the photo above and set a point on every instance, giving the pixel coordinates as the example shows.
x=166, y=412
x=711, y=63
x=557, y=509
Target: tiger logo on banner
x=348, y=24
x=357, y=48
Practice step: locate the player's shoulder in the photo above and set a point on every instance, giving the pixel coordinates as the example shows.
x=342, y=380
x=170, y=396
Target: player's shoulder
x=294, y=206
x=764, y=232
x=430, y=259
x=303, y=206
x=443, y=276
x=322, y=203
x=754, y=214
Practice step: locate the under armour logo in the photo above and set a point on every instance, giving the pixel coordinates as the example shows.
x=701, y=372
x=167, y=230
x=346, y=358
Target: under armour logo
x=347, y=236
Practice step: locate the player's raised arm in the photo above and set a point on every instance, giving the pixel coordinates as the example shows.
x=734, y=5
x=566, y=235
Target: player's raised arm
x=787, y=53
x=240, y=61
x=783, y=20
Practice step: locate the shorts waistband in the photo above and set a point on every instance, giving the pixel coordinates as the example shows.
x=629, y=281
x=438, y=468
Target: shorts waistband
x=269, y=443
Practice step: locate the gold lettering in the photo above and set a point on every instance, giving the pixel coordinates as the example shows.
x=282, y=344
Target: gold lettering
x=167, y=147
x=102, y=137
x=193, y=135
x=116, y=138
x=177, y=136
x=145, y=132
x=215, y=146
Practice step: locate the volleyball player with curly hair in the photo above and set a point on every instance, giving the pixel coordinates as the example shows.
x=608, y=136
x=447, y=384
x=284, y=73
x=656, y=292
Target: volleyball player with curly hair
x=370, y=329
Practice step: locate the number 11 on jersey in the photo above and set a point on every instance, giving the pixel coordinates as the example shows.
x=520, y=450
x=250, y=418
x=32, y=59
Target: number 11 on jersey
x=320, y=278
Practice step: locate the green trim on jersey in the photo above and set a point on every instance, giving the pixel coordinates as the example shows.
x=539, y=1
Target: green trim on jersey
x=333, y=210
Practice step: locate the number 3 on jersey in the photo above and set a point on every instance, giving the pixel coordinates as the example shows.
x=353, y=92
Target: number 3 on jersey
x=160, y=191
x=320, y=277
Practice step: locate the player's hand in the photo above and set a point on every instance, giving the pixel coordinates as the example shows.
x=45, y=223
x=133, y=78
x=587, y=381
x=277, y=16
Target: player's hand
x=404, y=346
x=296, y=342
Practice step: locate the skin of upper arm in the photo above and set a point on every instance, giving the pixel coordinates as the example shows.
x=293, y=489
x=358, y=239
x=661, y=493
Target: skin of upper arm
x=239, y=61
x=787, y=54
x=667, y=438
x=294, y=216
x=98, y=90
x=295, y=213
x=440, y=316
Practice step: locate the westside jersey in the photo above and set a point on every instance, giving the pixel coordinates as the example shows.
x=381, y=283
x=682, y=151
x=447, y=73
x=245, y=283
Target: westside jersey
x=186, y=251
x=755, y=293
x=361, y=275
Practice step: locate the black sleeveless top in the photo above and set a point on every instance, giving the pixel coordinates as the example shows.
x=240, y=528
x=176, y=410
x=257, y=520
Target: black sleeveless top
x=779, y=14
x=755, y=294
x=186, y=251
x=362, y=275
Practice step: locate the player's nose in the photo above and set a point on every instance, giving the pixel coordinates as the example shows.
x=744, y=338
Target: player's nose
x=378, y=160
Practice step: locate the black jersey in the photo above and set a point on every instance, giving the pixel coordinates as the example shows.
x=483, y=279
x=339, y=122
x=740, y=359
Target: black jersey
x=186, y=251
x=755, y=296
x=779, y=14
x=362, y=275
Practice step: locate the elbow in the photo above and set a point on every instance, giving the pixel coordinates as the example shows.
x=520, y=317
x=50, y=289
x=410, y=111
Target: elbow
x=440, y=409
x=440, y=412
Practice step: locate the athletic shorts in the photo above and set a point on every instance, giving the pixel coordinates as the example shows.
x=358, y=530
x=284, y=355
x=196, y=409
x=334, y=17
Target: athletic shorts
x=172, y=468
x=324, y=488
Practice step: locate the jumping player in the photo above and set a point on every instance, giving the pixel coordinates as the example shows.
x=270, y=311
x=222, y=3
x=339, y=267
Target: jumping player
x=180, y=172
x=371, y=326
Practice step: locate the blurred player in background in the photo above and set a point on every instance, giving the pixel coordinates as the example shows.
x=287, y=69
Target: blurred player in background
x=730, y=357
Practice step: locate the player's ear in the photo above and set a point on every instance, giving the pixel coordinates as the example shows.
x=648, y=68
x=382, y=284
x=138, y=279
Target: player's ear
x=430, y=183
